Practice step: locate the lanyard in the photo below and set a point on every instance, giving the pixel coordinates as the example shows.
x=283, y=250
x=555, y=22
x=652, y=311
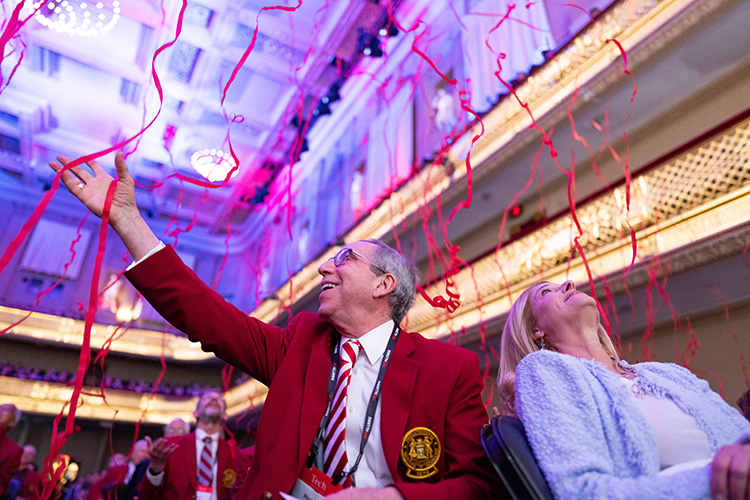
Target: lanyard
x=371, y=406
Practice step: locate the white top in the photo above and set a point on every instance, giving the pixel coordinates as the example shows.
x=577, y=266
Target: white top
x=131, y=471
x=372, y=471
x=680, y=441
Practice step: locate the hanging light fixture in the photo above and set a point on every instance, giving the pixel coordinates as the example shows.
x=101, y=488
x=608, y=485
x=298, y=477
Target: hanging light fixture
x=214, y=165
x=76, y=17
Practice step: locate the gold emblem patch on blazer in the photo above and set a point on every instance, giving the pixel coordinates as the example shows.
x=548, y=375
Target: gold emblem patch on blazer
x=229, y=477
x=420, y=451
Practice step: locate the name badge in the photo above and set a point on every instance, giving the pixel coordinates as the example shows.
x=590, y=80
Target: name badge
x=203, y=492
x=313, y=484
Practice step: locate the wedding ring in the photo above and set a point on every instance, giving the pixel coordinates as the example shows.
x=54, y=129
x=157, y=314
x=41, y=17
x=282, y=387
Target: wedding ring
x=80, y=185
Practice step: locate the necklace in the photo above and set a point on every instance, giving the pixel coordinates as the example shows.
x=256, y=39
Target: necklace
x=629, y=373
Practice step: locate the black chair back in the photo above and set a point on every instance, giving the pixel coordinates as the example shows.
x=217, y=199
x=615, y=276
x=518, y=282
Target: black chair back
x=504, y=441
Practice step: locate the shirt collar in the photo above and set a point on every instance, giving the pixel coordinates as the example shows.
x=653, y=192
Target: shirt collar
x=200, y=434
x=375, y=341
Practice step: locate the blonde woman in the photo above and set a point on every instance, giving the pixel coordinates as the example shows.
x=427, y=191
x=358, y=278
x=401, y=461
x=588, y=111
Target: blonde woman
x=602, y=428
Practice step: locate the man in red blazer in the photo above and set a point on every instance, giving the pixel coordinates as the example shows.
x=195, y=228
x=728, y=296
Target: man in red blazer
x=424, y=434
x=173, y=471
x=10, y=452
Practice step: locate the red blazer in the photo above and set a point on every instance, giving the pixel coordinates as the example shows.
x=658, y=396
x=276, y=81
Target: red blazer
x=32, y=485
x=181, y=472
x=112, y=476
x=429, y=383
x=10, y=459
x=244, y=461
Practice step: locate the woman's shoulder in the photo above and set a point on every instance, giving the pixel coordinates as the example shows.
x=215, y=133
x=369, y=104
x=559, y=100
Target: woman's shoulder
x=670, y=371
x=547, y=379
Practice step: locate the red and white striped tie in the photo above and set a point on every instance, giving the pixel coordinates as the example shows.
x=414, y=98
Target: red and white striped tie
x=206, y=467
x=335, y=445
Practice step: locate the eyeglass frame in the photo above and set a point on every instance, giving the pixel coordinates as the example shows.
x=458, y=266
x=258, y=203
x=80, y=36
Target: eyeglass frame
x=340, y=258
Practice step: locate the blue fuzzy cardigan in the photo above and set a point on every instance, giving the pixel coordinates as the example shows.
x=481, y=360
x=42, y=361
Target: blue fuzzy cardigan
x=592, y=442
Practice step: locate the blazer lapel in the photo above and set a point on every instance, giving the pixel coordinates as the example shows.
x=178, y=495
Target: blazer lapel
x=224, y=461
x=191, y=459
x=398, y=386
x=315, y=396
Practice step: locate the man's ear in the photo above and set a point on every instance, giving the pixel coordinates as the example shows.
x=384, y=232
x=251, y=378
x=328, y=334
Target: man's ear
x=385, y=285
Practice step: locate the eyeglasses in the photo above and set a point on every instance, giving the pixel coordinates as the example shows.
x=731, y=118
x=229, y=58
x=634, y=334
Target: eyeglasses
x=340, y=258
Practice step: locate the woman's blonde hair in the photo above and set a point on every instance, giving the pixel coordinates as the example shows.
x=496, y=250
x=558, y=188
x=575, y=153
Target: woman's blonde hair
x=518, y=340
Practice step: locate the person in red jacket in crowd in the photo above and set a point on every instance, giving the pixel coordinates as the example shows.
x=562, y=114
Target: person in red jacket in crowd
x=26, y=481
x=10, y=452
x=128, y=474
x=199, y=465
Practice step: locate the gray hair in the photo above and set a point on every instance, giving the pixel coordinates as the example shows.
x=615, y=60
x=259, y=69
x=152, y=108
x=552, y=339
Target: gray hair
x=175, y=423
x=407, y=277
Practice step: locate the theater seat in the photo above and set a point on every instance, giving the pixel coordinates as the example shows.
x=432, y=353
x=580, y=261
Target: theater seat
x=504, y=441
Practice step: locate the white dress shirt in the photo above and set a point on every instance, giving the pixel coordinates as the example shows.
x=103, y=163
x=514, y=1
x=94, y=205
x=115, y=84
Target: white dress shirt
x=131, y=471
x=372, y=471
x=199, y=435
x=151, y=252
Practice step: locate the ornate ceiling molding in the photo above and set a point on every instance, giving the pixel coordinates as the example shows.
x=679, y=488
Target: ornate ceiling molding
x=49, y=398
x=643, y=28
x=132, y=341
x=698, y=195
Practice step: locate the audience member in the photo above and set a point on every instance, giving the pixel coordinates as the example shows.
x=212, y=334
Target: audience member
x=602, y=428
x=10, y=452
x=176, y=427
x=174, y=473
x=26, y=481
x=141, y=386
x=117, y=459
x=122, y=478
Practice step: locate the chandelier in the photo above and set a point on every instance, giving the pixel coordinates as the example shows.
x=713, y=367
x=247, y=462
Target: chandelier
x=76, y=17
x=214, y=165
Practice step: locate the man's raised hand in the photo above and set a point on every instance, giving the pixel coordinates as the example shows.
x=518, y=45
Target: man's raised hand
x=92, y=189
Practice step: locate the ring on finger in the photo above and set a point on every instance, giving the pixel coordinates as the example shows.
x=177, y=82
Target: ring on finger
x=80, y=185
